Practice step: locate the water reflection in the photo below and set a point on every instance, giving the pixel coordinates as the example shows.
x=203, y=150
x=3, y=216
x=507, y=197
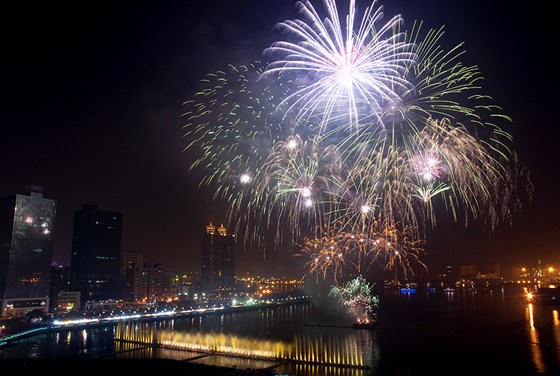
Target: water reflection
x=543, y=333
x=556, y=332
x=349, y=349
x=534, y=344
x=440, y=326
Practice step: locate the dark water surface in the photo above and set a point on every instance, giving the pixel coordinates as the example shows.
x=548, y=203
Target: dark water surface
x=492, y=331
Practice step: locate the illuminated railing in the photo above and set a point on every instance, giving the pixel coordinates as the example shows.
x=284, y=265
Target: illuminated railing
x=16, y=336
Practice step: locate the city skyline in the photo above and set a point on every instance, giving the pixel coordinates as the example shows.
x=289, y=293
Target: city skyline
x=95, y=103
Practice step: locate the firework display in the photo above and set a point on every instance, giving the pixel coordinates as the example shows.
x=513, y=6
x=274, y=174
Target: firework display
x=352, y=140
x=338, y=253
x=358, y=297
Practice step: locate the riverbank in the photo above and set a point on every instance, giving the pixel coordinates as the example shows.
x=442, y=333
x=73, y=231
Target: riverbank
x=13, y=329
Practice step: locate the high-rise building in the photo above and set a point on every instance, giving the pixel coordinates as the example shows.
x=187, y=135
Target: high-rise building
x=95, y=264
x=156, y=283
x=145, y=282
x=218, y=260
x=60, y=282
x=26, y=244
x=131, y=276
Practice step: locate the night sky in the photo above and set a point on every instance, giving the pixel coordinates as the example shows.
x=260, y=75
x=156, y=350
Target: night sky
x=92, y=103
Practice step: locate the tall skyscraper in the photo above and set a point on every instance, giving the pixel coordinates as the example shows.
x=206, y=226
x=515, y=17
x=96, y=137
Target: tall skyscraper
x=26, y=244
x=218, y=260
x=95, y=263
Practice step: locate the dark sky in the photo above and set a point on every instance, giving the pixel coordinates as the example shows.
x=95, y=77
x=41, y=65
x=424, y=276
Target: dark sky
x=92, y=97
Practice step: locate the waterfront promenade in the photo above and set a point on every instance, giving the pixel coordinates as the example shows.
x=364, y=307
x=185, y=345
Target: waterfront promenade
x=16, y=329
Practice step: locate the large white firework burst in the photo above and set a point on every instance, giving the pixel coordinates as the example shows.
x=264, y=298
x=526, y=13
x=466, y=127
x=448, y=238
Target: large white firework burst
x=347, y=70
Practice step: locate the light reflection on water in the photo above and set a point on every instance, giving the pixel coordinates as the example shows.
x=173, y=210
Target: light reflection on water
x=492, y=326
x=264, y=334
x=543, y=331
x=534, y=340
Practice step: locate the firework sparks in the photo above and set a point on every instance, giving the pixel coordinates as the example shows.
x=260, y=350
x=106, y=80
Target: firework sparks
x=348, y=142
x=343, y=68
x=339, y=252
x=230, y=126
x=286, y=194
x=325, y=255
x=358, y=298
x=428, y=166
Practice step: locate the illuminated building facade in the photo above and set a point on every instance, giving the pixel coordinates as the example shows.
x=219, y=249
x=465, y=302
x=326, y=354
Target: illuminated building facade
x=187, y=284
x=218, y=261
x=66, y=300
x=95, y=268
x=156, y=283
x=145, y=282
x=26, y=243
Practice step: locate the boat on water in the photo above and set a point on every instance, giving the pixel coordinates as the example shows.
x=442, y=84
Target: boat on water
x=366, y=324
x=408, y=290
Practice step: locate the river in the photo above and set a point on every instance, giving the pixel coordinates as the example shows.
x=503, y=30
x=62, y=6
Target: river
x=483, y=331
